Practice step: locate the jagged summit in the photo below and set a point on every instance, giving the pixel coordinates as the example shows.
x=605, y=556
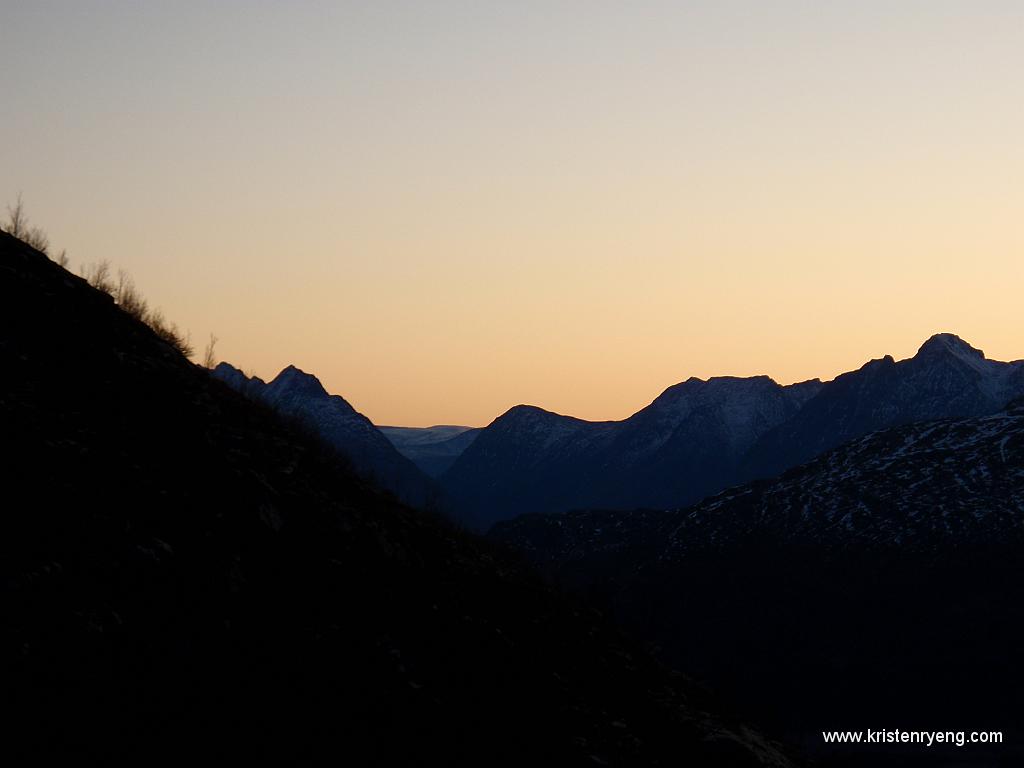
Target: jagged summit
x=950, y=343
x=300, y=394
x=296, y=381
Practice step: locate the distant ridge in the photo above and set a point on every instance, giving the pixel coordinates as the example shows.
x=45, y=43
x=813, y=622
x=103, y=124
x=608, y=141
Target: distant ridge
x=432, y=449
x=699, y=437
x=687, y=443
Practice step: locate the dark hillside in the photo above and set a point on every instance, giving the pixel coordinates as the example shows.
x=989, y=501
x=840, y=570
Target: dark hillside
x=184, y=575
x=879, y=583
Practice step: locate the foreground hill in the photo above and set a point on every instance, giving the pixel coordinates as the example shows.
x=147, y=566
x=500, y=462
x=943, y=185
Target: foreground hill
x=878, y=583
x=183, y=574
x=301, y=395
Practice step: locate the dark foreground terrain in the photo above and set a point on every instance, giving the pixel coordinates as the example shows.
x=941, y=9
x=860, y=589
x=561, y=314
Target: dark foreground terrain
x=876, y=587
x=186, y=576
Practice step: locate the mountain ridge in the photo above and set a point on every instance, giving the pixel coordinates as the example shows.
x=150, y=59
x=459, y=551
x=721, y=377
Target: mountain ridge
x=700, y=436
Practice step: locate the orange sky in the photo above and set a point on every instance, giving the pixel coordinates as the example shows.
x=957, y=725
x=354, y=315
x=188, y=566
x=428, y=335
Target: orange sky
x=444, y=211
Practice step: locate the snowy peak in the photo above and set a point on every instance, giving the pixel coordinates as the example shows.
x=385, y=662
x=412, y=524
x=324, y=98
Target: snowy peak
x=296, y=382
x=949, y=344
x=947, y=347
x=950, y=350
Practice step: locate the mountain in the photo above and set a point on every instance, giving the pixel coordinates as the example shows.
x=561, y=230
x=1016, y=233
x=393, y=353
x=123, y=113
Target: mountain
x=879, y=582
x=927, y=484
x=946, y=378
x=298, y=394
x=700, y=437
x=432, y=449
x=686, y=444
x=186, y=572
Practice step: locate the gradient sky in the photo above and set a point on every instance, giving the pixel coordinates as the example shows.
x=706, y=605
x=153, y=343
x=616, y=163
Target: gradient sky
x=444, y=209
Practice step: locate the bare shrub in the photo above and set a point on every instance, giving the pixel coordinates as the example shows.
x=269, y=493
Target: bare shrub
x=123, y=290
x=209, y=358
x=61, y=259
x=169, y=332
x=98, y=276
x=17, y=225
x=17, y=221
x=128, y=297
x=37, y=238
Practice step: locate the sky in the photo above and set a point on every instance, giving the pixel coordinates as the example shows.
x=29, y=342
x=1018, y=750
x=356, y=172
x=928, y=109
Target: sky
x=446, y=209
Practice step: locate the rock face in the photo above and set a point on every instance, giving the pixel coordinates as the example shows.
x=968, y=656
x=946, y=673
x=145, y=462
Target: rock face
x=700, y=437
x=880, y=580
x=301, y=395
x=184, y=572
x=432, y=449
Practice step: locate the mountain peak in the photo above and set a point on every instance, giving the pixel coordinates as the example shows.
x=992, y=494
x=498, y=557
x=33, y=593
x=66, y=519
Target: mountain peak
x=949, y=344
x=296, y=381
x=531, y=413
x=234, y=377
x=226, y=368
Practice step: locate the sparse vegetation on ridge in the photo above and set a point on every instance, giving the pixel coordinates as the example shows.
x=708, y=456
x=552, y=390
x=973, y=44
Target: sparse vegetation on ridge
x=99, y=275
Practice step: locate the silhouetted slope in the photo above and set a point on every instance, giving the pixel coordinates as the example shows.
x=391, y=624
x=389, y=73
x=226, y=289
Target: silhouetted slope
x=301, y=395
x=878, y=583
x=186, y=577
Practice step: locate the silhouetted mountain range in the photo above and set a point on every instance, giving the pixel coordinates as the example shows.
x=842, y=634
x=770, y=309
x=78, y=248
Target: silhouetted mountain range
x=915, y=487
x=298, y=394
x=700, y=437
x=185, y=573
x=946, y=378
x=879, y=582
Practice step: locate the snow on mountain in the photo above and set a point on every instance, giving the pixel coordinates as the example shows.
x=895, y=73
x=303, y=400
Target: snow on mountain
x=946, y=378
x=882, y=577
x=958, y=481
